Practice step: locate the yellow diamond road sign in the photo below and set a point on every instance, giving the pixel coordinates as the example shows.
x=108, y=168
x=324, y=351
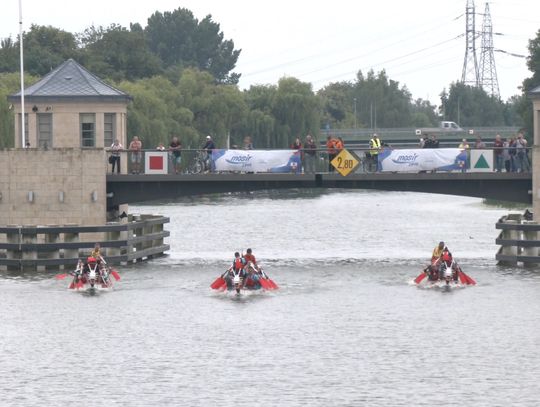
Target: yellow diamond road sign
x=344, y=162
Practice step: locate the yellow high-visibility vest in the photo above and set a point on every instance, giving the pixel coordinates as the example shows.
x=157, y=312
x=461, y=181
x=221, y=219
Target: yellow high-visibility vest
x=375, y=145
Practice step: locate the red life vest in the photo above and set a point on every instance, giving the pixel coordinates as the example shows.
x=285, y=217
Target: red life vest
x=446, y=256
x=238, y=264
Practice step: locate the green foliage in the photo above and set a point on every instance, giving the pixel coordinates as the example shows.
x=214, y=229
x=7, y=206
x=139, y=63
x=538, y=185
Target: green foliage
x=193, y=108
x=9, y=55
x=179, y=71
x=533, y=63
x=296, y=110
x=378, y=101
x=524, y=104
x=179, y=39
x=46, y=47
x=471, y=106
x=119, y=53
x=9, y=84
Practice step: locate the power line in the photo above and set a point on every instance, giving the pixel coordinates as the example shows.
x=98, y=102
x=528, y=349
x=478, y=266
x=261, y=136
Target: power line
x=387, y=61
x=349, y=59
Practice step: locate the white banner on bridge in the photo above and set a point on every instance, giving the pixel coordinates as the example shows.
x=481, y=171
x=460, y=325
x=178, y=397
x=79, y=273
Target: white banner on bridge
x=276, y=161
x=481, y=161
x=425, y=159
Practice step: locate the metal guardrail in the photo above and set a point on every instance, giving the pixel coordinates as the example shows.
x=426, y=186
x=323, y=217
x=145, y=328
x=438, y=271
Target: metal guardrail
x=53, y=247
x=194, y=161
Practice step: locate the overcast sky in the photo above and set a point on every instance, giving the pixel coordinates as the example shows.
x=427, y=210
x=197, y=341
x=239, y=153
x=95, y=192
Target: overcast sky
x=420, y=43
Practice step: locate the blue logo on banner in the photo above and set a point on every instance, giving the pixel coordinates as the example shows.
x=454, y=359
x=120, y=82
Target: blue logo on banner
x=239, y=160
x=409, y=159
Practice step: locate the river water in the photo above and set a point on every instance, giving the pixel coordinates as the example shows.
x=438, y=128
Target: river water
x=346, y=328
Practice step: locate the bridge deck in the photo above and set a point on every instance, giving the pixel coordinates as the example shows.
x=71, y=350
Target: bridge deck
x=512, y=187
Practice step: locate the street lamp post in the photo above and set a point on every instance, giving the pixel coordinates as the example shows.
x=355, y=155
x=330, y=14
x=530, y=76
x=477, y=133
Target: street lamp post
x=23, y=130
x=354, y=113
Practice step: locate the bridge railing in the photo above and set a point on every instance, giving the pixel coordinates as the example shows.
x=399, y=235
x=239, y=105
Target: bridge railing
x=196, y=161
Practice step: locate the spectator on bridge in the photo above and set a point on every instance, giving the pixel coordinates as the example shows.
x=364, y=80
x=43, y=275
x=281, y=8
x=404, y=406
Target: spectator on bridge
x=175, y=148
x=498, y=150
x=248, y=144
x=331, y=150
x=160, y=147
x=521, y=154
x=375, y=146
x=208, y=147
x=464, y=145
x=421, y=142
x=431, y=142
x=340, y=144
x=507, y=157
x=310, y=152
x=479, y=143
x=136, y=155
x=297, y=144
x=114, y=159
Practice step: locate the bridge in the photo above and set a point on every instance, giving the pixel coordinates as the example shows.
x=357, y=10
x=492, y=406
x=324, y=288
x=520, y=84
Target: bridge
x=126, y=189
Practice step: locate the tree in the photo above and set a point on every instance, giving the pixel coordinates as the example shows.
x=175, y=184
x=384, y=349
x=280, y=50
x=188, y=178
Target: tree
x=46, y=47
x=9, y=55
x=473, y=106
x=260, y=123
x=119, y=53
x=193, y=108
x=179, y=39
x=296, y=110
x=9, y=84
x=524, y=104
x=337, y=103
x=424, y=114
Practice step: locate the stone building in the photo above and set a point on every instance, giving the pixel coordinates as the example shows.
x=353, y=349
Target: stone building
x=71, y=107
x=61, y=179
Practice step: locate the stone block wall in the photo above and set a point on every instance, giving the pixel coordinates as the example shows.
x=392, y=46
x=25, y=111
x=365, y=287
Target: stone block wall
x=53, y=187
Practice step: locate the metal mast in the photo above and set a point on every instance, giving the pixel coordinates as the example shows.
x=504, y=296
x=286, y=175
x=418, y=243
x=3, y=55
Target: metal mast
x=469, y=75
x=488, y=72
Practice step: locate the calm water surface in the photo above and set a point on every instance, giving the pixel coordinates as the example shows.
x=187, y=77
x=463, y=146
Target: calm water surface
x=346, y=328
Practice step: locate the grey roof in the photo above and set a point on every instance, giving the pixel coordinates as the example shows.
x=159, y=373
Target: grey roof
x=535, y=92
x=71, y=81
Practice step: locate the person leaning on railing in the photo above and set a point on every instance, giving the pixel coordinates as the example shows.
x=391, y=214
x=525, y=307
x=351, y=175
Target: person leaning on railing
x=114, y=158
x=310, y=151
x=498, y=153
x=521, y=154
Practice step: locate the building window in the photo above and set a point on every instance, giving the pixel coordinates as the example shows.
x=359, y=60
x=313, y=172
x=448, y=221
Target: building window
x=109, y=128
x=44, y=130
x=25, y=127
x=88, y=129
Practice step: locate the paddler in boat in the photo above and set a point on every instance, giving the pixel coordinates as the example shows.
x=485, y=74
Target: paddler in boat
x=253, y=277
x=237, y=268
x=447, y=258
x=96, y=254
x=432, y=269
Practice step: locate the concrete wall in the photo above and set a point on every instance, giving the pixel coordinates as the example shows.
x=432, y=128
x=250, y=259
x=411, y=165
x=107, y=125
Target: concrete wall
x=75, y=172
x=66, y=122
x=536, y=159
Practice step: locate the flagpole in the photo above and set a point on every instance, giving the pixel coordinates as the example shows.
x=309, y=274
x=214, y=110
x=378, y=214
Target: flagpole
x=23, y=129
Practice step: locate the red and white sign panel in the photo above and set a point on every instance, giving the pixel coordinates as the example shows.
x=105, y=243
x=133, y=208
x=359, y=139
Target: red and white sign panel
x=155, y=162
